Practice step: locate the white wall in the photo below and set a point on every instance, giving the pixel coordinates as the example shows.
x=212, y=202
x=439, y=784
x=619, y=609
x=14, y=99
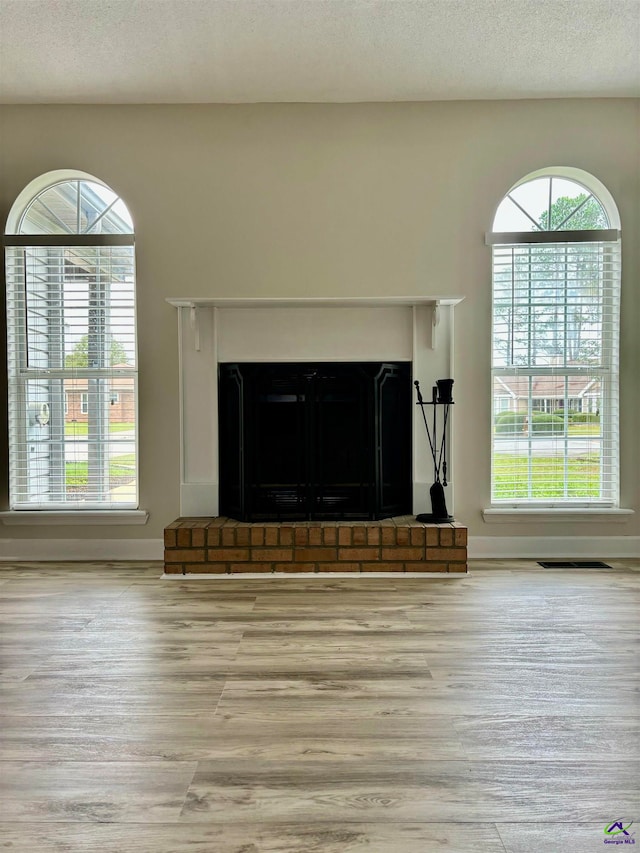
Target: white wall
x=331, y=200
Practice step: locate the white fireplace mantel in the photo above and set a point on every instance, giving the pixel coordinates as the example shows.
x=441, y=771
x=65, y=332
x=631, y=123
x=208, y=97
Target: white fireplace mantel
x=417, y=329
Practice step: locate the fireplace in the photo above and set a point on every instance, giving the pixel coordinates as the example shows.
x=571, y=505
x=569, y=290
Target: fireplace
x=315, y=441
x=412, y=334
x=338, y=464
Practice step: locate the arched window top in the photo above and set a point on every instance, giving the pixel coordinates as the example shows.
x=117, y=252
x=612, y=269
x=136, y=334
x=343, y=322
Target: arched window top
x=65, y=202
x=556, y=199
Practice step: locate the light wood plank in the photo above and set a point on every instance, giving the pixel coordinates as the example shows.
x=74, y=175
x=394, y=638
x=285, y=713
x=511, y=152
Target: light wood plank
x=337, y=715
x=331, y=837
x=127, y=737
x=93, y=791
x=411, y=791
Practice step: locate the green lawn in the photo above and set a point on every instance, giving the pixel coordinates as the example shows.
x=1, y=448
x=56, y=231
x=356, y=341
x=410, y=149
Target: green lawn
x=511, y=475
x=574, y=429
x=124, y=466
x=77, y=428
x=584, y=429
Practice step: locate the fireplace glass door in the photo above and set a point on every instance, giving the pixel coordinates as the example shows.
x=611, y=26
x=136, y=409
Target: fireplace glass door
x=315, y=441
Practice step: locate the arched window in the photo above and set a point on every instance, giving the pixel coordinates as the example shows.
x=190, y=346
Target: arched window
x=71, y=346
x=556, y=291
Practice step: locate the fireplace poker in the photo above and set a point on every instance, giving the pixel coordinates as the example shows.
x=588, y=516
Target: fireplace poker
x=422, y=404
x=436, y=466
x=442, y=462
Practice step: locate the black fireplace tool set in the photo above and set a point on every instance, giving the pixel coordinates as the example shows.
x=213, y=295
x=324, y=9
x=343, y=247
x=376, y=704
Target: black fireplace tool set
x=441, y=401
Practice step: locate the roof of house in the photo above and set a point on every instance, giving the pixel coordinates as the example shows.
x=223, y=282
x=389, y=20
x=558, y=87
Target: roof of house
x=546, y=386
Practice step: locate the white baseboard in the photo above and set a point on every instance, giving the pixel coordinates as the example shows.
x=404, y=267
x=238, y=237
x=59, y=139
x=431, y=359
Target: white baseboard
x=80, y=549
x=541, y=547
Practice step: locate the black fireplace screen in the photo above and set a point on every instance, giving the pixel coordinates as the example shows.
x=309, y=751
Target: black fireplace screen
x=315, y=441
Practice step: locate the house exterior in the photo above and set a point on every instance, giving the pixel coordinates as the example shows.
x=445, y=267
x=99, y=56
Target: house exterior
x=122, y=404
x=549, y=394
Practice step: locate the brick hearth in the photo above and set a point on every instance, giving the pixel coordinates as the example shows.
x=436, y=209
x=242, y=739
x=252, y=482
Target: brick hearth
x=223, y=546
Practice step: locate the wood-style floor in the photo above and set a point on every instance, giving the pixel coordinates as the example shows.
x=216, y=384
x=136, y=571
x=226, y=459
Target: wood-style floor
x=496, y=712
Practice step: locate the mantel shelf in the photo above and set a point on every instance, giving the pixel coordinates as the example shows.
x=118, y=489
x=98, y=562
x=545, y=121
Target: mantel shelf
x=312, y=302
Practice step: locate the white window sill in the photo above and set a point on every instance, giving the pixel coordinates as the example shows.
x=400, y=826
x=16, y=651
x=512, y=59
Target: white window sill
x=75, y=518
x=514, y=515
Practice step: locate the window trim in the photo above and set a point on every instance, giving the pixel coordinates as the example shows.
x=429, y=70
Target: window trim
x=560, y=513
x=45, y=240
x=45, y=517
x=508, y=238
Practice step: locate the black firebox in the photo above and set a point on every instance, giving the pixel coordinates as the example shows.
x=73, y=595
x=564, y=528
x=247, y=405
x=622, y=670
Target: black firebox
x=315, y=441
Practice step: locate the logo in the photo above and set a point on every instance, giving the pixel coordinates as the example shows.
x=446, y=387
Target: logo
x=618, y=833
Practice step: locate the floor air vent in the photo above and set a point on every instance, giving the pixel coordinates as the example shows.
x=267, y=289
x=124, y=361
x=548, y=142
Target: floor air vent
x=573, y=564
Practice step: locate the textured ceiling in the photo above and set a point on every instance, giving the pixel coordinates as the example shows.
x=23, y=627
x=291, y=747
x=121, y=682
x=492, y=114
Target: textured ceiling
x=235, y=51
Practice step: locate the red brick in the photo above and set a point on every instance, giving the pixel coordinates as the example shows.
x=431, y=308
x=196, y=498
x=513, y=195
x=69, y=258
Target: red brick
x=358, y=554
x=184, y=555
x=330, y=535
x=417, y=536
x=169, y=538
x=207, y=568
x=315, y=535
x=198, y=537
x=394, y=554
x=271, y=554
x=402, y=535
x=449, y=554
x=344, y=535
x=315, y=555
x=173, y=569
x=309, y=568
x=183, y=537
x=174, y=524
x=373, y=536
x=432, y=535
x=460, y=536
x=228, y=537
x=243, y=536
x=301, y=535
x=388, y=535
x=270, y=536
x=425, y=566
x=446, y=536
x=286, y=536
x=340, y=567
x=382, y=567
x=257, y=535
x=238, y=568
x=213, y=537
x=457, y=567
x=359, y=536
x=221, y=555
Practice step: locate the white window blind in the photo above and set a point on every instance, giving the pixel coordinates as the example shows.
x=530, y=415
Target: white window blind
x=555, y=368
x=71, y=340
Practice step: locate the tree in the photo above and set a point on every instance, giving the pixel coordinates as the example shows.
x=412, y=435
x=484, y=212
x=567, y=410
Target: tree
x=578, y=273
x=581, y=213
x=80, y=355
x=549, y=296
